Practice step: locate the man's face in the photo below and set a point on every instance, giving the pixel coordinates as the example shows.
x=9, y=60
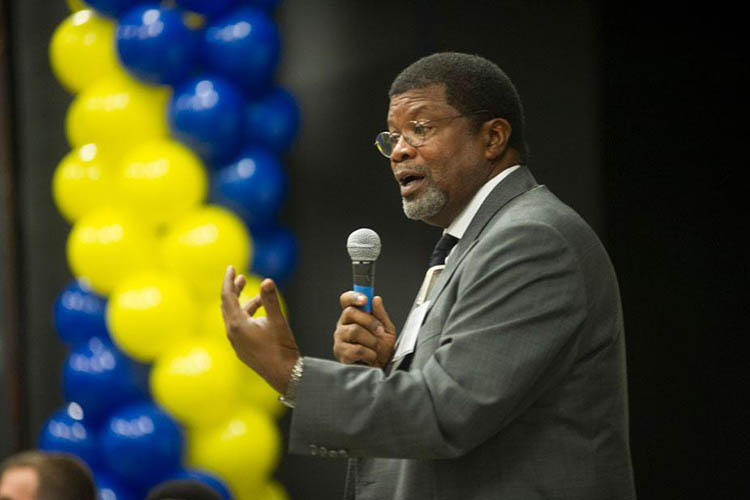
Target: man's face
x=438, y=178
x=19, y=483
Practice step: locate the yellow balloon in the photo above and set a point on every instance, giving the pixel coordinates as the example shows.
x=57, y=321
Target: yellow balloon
x=82, y=49
x=161, y=179
x=272, y=490
x=243, y=449
x=76, y=5
x=275, y=491
x=106, y=245
x=256, y=392
x=197, y=381
x=200, y=245
x=149, y=312
x=83, y=181
x=117, y=112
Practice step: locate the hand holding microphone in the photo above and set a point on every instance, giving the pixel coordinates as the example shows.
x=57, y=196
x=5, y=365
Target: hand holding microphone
x=364, y=333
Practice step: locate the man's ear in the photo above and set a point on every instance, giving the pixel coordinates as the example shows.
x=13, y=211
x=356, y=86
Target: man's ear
x=497, y=133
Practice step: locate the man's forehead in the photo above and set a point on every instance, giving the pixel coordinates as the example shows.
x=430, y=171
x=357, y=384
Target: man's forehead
x=417, y=100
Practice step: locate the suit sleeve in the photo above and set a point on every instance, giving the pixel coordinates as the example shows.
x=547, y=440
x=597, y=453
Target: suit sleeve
x=511, y=334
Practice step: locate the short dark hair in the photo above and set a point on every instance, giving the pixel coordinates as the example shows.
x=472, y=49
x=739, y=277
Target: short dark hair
x=472, y=83
x=183, y=489
x=61, y=476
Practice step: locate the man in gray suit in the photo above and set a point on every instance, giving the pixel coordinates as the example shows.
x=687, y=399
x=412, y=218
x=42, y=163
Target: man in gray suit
x=508, y=379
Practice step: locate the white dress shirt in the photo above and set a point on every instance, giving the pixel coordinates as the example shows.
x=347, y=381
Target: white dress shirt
x=458, y=227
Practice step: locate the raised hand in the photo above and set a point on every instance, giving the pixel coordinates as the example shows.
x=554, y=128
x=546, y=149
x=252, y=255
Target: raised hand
x=265, y=344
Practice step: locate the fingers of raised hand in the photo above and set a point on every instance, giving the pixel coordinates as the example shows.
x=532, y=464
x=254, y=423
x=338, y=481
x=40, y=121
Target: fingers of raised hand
x=239, y=284
x=270, y=300
x=252, y=306
x=230, y=304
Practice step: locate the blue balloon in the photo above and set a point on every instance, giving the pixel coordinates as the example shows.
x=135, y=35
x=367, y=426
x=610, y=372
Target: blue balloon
x=244, y=45
x=155, y=45
x=141, y=445
x=206, y=478
x=109, y=488
x=210, y=9
x=206, y=114
x=68, y=431
x=274, y=254
x=101, y=379
x=272, y=121
x=254, y=186
x=113, y=8
x=80, y=314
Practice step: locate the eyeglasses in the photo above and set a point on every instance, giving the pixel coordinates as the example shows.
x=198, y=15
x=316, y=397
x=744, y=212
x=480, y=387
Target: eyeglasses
x=414, y=133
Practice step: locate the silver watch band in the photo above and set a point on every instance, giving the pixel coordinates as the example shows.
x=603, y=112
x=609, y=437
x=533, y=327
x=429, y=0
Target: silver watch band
x=290, y=397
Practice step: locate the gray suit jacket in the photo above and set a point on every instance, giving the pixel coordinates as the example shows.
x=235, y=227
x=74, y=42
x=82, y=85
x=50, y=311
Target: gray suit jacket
x=517, y=387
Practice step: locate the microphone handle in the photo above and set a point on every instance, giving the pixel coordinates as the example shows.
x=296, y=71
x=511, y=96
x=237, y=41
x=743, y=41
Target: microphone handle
x=364, y=281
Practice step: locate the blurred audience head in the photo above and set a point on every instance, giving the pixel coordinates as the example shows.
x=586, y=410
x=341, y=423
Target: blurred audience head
x=38, y=475
x=183, y=489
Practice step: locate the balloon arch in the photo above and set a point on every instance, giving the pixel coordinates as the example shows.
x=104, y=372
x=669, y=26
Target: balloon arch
x=177, y=131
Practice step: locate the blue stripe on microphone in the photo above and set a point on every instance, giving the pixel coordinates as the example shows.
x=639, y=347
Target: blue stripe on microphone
x=367, y=291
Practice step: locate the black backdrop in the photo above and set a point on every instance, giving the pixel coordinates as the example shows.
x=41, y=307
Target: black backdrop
x=628, y=120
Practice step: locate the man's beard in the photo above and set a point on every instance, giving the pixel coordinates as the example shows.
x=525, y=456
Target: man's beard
x=427, y=204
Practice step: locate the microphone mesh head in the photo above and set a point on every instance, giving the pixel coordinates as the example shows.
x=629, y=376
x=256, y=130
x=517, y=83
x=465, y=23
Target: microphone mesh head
x=363, y=245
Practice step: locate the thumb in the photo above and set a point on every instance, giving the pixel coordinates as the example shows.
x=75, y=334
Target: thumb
x=378, y=310
x=270, y=300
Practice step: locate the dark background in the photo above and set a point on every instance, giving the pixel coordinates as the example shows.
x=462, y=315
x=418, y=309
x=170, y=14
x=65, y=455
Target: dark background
x=632, y=118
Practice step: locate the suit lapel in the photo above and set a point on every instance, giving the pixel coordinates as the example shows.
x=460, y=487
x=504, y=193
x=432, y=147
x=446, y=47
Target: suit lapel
x=515, y=184
x=518, y=182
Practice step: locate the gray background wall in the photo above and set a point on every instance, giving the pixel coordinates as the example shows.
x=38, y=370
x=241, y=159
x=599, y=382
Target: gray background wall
x=621, y=120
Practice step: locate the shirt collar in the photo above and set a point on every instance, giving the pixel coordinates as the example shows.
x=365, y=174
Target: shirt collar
x=459, y=225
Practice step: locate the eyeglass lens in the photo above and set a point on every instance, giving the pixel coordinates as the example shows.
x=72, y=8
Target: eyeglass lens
x=413, y=135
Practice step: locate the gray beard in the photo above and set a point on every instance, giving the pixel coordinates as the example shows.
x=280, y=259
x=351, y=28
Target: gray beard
x=428, y=204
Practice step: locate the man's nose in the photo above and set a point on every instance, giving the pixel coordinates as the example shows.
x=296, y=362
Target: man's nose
x=402, y=150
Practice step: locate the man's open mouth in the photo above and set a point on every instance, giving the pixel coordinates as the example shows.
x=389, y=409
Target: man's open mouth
x=409, y=179
x=410, y=184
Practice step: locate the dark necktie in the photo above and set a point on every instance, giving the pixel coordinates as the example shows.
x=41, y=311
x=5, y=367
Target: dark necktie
x=442, y=249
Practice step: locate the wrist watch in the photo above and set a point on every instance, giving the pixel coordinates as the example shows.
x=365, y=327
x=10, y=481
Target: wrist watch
x=290, y=396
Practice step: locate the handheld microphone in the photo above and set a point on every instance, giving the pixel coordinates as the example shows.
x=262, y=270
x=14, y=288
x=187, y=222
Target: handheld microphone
x=363, y=246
